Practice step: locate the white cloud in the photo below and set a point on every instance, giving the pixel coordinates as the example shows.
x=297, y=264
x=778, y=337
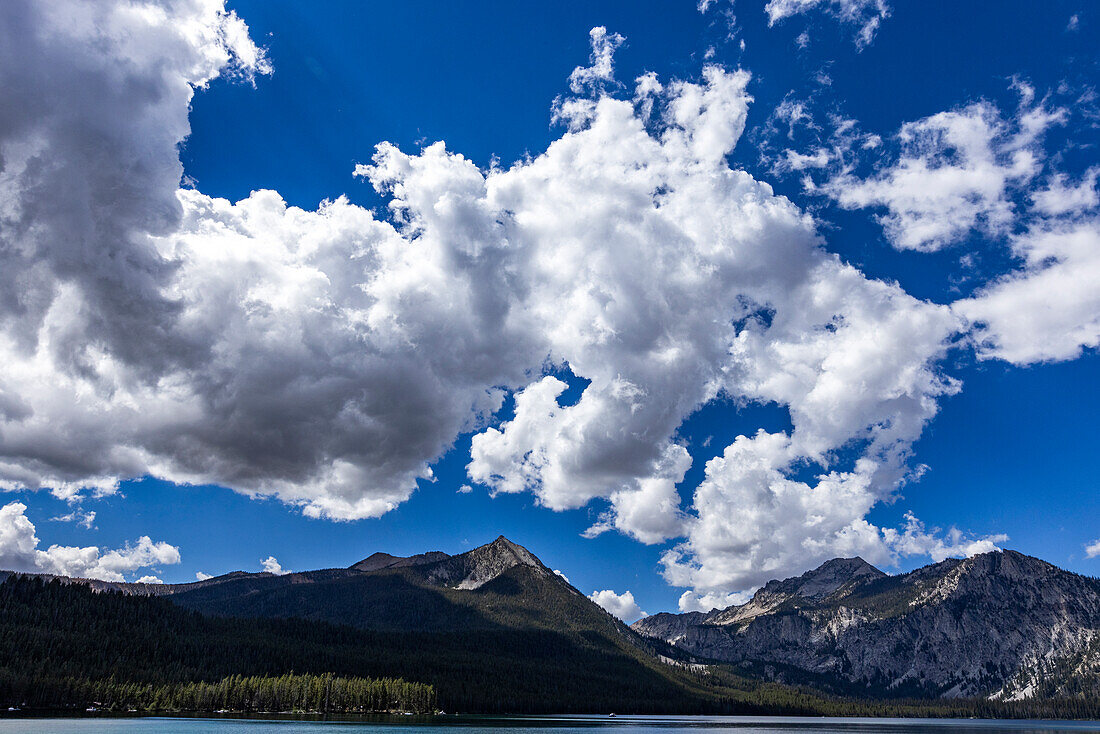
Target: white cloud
x=559, y=573
x=1092, y=550
x=976, y=170
x=954, y=176
x=692, y=602
x=594, y=78
x=818, y=158
x=1049, y=309
x=793, y=113
x=867, y=14
x=83, y=519
x=149, y=580
x=915, y=540
x=1058, y=198
x=622, y=605
x=465, y=489
x=18, y=542
x=830, y=146
x=272, y=565
x=19, y=552
x=200, y=576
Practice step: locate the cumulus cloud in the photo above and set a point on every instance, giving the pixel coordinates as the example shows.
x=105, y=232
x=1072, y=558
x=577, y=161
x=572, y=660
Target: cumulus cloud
x=915, y=540
x=693, y=602
x=149, y=580
x=1092, y=550
x=272, y=565
x=1058, y=198
x=19, y=552
x=867, y=14
x=1050, y=308
x=602, y=71
x=201, y=576
x=978, y=170
x=328, y=357
x=622, y=605
x=955, y=174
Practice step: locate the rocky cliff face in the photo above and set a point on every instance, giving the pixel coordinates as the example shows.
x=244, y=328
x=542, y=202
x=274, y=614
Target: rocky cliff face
x=1003, y=625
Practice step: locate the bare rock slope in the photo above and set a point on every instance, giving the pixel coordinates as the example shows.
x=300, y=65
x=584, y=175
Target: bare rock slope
x=1002, y=625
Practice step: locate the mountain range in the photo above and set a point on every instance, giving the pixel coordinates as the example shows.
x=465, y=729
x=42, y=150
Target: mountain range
x=494, y=629
x=1001, y=624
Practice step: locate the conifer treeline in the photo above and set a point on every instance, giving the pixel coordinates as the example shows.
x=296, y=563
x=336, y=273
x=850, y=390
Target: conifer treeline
x=291, y=693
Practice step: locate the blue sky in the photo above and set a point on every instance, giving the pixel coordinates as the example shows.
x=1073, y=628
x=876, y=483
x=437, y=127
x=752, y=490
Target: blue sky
x=1010, y=450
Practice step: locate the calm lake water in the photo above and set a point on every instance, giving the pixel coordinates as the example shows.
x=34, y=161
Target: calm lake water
x=543, y=725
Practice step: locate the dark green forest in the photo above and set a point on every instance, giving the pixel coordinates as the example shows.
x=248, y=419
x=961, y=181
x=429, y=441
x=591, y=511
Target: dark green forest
x=285, y=693
x=65, y=645
x=53, y=633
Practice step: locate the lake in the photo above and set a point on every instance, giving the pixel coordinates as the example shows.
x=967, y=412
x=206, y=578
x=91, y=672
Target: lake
x=541, y=725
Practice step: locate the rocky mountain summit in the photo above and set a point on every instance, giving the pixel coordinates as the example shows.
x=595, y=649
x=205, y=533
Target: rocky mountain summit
x=1002, y=625
x=468, y=570
x=479, y=566
x=379, y=561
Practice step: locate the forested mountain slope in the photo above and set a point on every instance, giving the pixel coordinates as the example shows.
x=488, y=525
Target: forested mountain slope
x=54, y=636
x=495, y=630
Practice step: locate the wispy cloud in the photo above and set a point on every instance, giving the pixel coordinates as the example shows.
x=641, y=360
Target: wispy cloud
x=866, y=14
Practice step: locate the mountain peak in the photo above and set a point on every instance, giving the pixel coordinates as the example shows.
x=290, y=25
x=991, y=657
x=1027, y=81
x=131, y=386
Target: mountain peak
x=825, y=579
x=467, y=570
x=379, y=561
x=504, y=553
x=817, y=584
x=481, y=565
x=1006, y=565
x=504, y=546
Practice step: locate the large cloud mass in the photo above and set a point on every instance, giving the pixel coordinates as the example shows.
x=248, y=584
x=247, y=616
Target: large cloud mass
x=329, y=356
